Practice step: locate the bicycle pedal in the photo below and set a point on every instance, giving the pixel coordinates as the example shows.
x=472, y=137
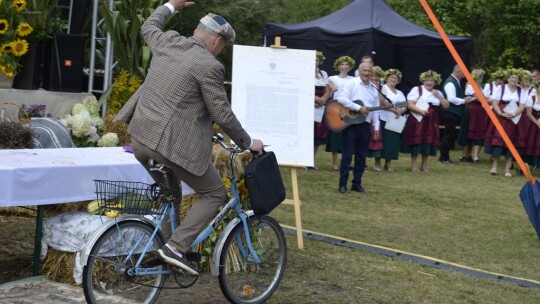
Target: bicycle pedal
x=193, y=256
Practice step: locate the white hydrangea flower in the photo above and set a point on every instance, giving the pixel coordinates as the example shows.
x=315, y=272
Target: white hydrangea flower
x=92, y=105
x=77, y=108
x=80, y=126
x=109, y=140
x=85, y=113
x=84, y=122
x=97, y=122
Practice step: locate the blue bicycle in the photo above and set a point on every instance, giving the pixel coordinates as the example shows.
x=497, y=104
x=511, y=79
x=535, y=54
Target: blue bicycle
x=121, y=260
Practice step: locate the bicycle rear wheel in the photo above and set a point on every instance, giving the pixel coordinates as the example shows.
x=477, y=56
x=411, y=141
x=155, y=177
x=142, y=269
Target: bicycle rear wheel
x=240, y=278
x=108, y=276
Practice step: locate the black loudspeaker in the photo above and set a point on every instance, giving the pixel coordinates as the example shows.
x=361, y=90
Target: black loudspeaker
x=63, y=68
x=78, y=10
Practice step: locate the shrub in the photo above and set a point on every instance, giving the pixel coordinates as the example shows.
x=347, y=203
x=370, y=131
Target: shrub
x=14, y=135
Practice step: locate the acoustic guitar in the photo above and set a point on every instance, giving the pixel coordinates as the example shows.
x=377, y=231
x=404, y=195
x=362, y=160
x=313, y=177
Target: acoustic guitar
x=337, y=117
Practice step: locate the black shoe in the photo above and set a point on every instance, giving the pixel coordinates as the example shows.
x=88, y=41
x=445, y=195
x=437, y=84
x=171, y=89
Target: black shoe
x=176, y=259
x=342, y=189
x=447, y=162
x=358, y=188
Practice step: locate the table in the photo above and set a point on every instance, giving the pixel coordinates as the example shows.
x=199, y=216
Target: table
x=30, y=177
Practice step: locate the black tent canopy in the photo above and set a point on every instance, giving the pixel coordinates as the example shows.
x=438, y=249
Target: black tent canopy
x=372, y=27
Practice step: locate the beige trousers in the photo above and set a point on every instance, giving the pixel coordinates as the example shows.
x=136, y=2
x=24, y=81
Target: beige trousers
x=209, y=187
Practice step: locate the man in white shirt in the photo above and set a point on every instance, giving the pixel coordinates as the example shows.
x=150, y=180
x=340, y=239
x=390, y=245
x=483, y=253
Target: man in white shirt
x=356, y=137
x=451, y=117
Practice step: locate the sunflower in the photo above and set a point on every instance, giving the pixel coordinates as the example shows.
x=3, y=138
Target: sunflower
x=24, y=29
x=6, y=48
x=19, y=47
x=7, y=70
x=19, y=5
x=4, y=26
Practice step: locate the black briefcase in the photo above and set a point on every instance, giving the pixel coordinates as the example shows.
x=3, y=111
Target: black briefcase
x=264, y=183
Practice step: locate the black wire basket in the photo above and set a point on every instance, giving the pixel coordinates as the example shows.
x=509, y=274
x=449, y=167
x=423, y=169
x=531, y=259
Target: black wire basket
x=129, y=197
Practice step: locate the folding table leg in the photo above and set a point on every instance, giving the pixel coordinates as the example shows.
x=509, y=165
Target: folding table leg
x=37, y=241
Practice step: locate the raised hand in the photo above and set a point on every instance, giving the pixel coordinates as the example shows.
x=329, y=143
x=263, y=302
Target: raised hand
x=180, y=4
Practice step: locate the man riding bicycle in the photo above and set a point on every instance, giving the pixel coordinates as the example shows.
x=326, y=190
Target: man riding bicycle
x=171, y=115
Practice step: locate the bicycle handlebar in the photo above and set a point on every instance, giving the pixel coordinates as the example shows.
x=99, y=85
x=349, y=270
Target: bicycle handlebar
x=233, y=148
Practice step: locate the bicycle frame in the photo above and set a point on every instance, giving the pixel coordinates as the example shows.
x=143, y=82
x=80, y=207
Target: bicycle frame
x=233, y=203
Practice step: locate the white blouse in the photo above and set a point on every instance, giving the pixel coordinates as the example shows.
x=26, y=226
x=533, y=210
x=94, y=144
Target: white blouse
x=394, y=97
x=508, y=95
x=339, y=82
x=426, y=95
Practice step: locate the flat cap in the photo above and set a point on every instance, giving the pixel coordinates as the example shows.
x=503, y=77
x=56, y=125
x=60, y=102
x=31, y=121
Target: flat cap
x=218, y=25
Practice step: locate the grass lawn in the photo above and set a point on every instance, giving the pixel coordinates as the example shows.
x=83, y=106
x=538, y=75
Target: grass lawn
x=457, y=213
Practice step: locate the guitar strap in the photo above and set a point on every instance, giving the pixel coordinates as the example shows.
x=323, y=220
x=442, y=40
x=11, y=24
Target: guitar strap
x=385, y=97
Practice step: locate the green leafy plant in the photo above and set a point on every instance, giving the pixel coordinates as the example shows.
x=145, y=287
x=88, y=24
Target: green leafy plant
x=44, y=17
x=123, y=87
x=123, y=23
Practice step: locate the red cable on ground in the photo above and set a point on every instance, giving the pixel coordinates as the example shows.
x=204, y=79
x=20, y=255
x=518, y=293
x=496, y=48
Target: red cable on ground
x=479, y=93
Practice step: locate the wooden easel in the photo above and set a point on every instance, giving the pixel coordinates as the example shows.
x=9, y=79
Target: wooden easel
x=295, y=201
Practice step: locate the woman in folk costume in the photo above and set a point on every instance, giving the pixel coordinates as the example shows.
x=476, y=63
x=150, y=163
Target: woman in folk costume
x=343, y=66
x=508, y=103
x=525, y=126
x=422, y=129
x=322, y=93
x=475, y=121
x=531, y=152
x=526, y=83
x=498, y=79
x=376, y=144
x=391, y=139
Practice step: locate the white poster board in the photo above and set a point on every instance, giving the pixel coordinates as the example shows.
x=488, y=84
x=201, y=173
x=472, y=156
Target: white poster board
x=272, y=95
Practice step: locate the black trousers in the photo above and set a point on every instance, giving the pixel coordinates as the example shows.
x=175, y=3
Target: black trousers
x=449, y=133
x=355, y=140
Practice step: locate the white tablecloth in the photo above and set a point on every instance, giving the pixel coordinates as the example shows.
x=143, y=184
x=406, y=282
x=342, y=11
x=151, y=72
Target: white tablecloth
x=51, y=176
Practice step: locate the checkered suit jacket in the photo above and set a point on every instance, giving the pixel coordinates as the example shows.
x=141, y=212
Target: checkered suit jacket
x=183, y=93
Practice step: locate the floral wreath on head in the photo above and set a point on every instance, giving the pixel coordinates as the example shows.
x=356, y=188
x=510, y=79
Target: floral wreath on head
x=478, y=73
x=320, y=55
x=498, y=74
x=377, y=71
x=341, y=59
x=431, y=74
x=524, y=75
x=513, y=71
x=393, y=72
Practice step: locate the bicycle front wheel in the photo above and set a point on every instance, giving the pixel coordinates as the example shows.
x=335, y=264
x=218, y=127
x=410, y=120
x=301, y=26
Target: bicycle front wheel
x=109, y=277
x=241, y=279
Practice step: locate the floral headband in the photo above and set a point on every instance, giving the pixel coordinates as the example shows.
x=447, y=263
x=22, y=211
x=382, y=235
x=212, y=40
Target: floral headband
x=513, y=71
x=431, y=74
x=498, y=74
x=377, y=71
x=320, y=55
x=478, y=73
x=393, y=72
x=341, y=59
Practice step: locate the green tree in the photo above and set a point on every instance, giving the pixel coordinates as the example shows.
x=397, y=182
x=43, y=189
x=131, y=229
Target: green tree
x=504, y=33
